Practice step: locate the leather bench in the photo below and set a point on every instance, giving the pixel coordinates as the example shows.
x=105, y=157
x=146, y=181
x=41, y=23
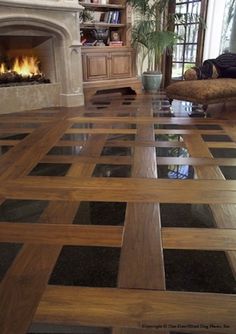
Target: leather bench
x=203, y=92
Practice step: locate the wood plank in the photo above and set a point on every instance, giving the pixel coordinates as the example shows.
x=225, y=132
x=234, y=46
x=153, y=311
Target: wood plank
x=127, y=160
x=48, y=234
x=133, y=131
x=224, y=214
x=134, y=308
x=141, y=261
x=157, y=331
x=8, y=142
x=142, y=119
x=111, y=236
x=14, y=130
x=221, y=144
x=108, y=160
x=100, y=131
x=125, y=143
x=199, y=239
x=188, y=132
x=147, y=143
x=192, y=161
x=121, y=190
x=21, y=119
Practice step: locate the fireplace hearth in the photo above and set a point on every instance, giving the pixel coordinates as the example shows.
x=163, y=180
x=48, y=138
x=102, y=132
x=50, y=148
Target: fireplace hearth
x=47, y=33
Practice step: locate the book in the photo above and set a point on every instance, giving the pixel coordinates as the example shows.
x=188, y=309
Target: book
x=116, y=43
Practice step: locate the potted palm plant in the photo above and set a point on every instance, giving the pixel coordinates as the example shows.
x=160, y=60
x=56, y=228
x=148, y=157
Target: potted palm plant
x=152, y=36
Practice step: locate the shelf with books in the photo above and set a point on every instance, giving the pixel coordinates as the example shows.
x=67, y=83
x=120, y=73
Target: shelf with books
x=97, y=6
x=90, y=25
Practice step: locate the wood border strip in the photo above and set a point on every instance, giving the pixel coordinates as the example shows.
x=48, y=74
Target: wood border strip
x=134, y=308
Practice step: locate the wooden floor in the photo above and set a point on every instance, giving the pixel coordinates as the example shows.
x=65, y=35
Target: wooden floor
x=140, y=303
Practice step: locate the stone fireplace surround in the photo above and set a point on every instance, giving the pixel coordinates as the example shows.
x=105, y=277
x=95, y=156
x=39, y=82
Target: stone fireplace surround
x=55, y=26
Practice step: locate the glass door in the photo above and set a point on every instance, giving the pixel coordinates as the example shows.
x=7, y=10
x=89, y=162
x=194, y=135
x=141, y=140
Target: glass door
x=188, y=51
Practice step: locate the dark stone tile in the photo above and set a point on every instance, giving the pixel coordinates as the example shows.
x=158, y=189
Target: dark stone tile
x=130, y=98
x=75, y=136
x=100, y=213
x=4, y=149
x=199, y=271
x=172, y=152
x=82, y=125
x=170, y=138
x=223, y=152
x=48, y=169
x=186, y=215
x=67, y=150
x=100, y=102
x=181, y=172
x=116, y=151
x=8, y=252
x=15, y=137
x=162, y=114
x=87, y=266
x=229, y=172
x=208, y=126
x=168, y=126
x=102, y=170
x=129, y=137
x=27, y=211
x=218, y=138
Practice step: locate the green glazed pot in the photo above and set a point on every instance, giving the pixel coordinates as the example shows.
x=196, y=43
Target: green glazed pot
x=151, y=81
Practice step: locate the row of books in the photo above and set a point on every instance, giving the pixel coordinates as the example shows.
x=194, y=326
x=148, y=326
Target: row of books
x=112, y=16
x=94, y=43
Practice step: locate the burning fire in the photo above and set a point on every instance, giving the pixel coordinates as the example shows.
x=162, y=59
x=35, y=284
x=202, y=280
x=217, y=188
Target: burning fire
x=3, y=68
x=25, y=66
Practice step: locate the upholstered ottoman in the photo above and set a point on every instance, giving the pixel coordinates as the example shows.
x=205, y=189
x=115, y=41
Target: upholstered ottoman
x=204, y=92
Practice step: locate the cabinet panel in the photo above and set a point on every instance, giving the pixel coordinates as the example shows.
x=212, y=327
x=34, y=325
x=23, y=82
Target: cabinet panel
x=96, y=66
x=120, y=65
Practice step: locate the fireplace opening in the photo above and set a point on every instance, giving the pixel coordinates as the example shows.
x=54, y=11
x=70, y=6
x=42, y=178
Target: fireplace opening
x=26, y=60
x=22, y=70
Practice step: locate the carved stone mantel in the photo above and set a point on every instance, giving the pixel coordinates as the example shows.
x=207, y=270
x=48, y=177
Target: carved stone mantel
x=44, y=4
x=56, y=18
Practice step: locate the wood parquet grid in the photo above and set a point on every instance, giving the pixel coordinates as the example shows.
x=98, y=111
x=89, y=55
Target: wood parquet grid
x=140, y=303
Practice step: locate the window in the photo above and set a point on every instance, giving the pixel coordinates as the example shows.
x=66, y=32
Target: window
x=188, y=51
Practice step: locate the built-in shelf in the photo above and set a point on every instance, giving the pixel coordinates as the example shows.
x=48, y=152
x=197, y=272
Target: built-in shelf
x=107, y=47
x=108, y=67
x=89, y=25
x=103, y=7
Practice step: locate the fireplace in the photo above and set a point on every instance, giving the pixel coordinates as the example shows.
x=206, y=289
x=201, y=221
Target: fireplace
x=47, y=32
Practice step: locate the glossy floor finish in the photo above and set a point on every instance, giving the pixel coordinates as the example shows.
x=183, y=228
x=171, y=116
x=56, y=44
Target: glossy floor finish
x=118, y=217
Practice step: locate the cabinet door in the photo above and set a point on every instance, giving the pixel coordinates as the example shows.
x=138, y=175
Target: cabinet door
x=121, y=65
x=95, y=66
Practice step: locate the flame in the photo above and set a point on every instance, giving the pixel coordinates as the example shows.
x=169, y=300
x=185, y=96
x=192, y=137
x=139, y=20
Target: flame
x=27, y=67
x=3, y=68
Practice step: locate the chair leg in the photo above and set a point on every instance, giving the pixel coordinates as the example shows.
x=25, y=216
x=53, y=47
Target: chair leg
x=204, y=108
x=200, y=113
x=171, y=108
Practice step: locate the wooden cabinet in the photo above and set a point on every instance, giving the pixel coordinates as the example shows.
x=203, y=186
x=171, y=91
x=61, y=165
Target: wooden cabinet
x=95, y=66
x=120, y=64
x=106, y=65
